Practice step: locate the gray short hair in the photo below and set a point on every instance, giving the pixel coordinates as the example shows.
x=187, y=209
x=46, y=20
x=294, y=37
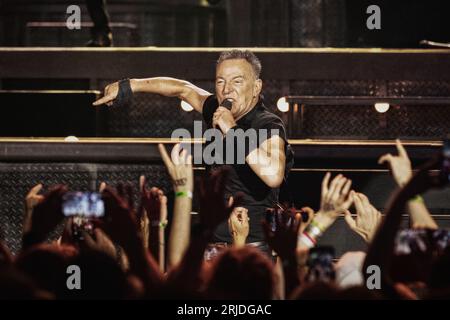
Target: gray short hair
x=242, y=54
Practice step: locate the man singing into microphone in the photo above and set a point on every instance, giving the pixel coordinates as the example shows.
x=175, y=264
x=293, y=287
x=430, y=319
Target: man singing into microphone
x=266, y=164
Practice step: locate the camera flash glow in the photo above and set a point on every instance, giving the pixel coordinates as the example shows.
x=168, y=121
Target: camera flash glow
x=186, y=106
x=382, y=107
x=283, y=105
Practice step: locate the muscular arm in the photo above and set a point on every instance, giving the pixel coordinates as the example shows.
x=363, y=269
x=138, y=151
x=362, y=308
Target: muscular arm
x=268, y=161
x=169, y=87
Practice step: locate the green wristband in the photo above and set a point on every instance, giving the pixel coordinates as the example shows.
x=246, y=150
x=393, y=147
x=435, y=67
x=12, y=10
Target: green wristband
x=163, y=224
x=183, y=194
x=160, y=224
x=315, y=224
x=417, y=198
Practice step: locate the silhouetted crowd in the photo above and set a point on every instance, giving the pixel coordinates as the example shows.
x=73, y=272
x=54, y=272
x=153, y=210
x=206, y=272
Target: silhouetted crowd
x=123, y=252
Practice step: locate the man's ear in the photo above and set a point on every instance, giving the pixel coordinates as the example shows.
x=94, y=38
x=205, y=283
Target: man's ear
x=258, y=87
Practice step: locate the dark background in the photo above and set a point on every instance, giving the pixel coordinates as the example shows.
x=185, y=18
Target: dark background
x=226, y=23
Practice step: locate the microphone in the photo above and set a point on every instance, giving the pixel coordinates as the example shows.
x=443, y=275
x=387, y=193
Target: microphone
x=226, y=104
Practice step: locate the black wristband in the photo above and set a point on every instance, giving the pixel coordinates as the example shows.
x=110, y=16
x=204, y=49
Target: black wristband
x=124, y=94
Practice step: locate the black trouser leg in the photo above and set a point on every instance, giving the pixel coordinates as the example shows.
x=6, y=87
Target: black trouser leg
x=99, y=16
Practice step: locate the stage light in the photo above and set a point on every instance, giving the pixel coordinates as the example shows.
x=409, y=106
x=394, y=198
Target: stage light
x=71, y=139
x=186, y=106
x=382, y=107
x=283, y=105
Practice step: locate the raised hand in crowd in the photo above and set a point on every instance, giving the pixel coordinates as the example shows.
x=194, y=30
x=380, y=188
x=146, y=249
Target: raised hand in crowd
x=335, y=197
x=401, y=170
x=99, y=241
x=154, y=203
x=120, y=217
x=187, y=277
x=367, y=219
x=400, y=165
x=68, y=236
x=238, y=226
x=335, y=200
x=122, y=226
x=31, y=200
x=381, y=250
x=179, y=167
x=214, y=208
x=6, y=258
x=153, y=220
x=282, y=235
x=42, y=213
x=309, y=212
x=282, y=238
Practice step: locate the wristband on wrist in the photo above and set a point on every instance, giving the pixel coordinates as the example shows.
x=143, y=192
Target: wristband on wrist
x=183, y=194
x=314, y=223
x=417, y=198
x=163, y=224
x=313, y=231
x=124, y=95
x=160, y=224
x=307, y=239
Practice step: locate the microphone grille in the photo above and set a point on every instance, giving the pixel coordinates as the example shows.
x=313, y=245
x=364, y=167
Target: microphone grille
x=226, y=104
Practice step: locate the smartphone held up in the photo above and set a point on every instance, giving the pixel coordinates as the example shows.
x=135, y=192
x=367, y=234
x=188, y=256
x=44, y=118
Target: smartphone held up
x=85, y=208
x=86, y=204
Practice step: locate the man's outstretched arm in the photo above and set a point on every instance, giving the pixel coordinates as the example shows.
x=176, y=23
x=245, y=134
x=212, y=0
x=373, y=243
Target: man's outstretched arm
x=169, y=87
